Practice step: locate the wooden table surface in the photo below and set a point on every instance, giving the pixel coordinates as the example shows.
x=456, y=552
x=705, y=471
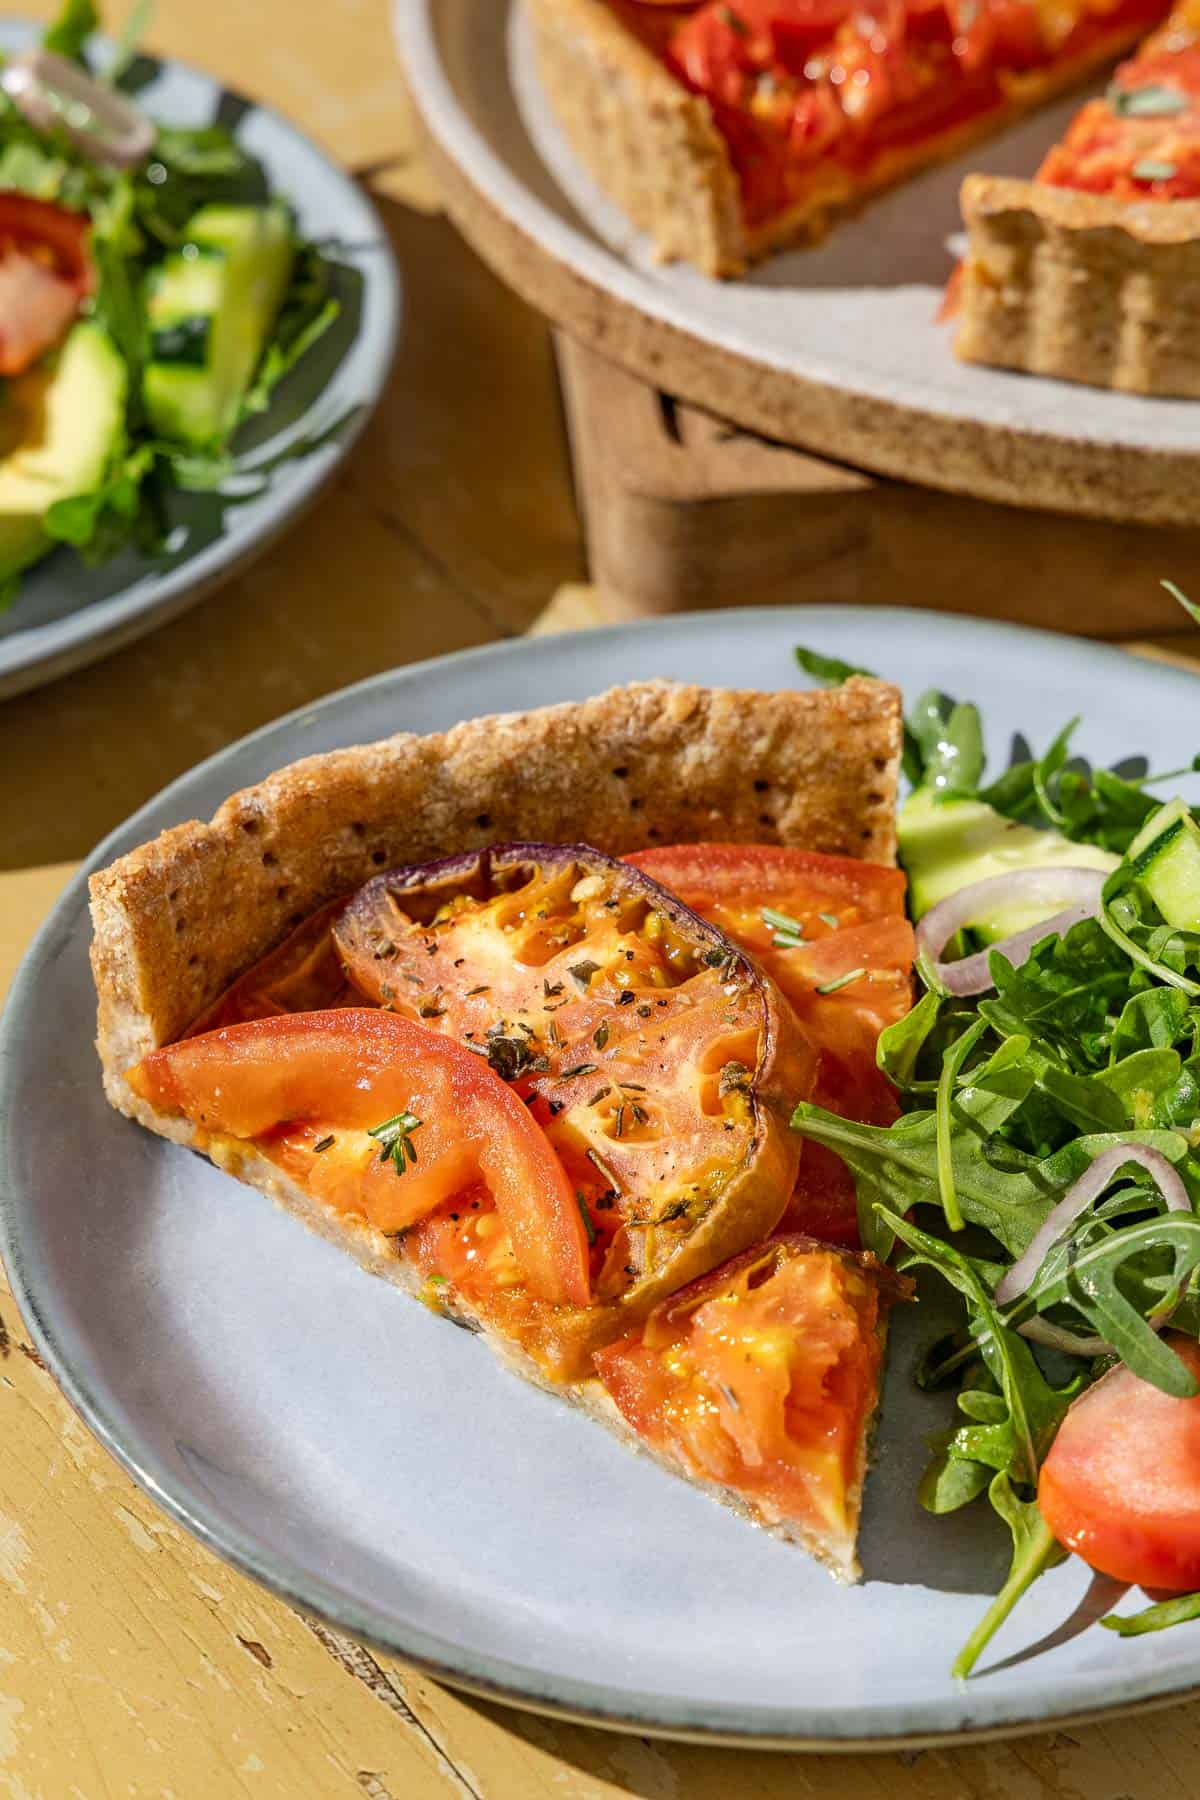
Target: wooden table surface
x=132, y=1662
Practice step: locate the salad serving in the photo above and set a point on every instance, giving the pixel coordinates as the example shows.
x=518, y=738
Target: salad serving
x=153, y=292
x=1045, y=1162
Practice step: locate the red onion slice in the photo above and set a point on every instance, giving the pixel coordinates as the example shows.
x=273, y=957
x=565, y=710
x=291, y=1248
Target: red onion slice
x=57, y=95
x=1090, y=1186
x=1020, y=887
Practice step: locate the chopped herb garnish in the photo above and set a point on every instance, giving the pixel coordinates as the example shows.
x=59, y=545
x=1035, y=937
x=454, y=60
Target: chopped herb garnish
x=551, y=989
x=830, y=919
x=582, y=972
x=579, y=1069
x=1149, y=169
x=483, y=989
x=586, y=1217
x=599, y=1094
x=781, y=921
x=730, y=1396
x=1151, y=102
x=432, y=1007
x=323, y=1144
x=394, y=1137
x=512, y=1057
x=619, y=1121
x=598, y=1162
x=600, y=1035
x=841, y=981
x=735, y=1079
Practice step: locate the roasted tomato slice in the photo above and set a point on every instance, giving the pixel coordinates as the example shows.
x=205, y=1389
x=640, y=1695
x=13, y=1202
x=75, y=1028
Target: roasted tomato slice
x=762, y=1378
x=1121, y=1485
x=381, y=1118
x=660, y=1063
x=45, y=271
x=857, y=946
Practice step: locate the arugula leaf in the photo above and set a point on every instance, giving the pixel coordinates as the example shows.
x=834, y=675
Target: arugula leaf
x=950, y=1482
x=900, y=1044
x=829, y=669
x=952, y=1063
x=69, y=32
x=1034, y=1551
x=1017, y=1440
x=1087, y=1280
x=1062, y=994
x=949, y=740
x=1151, y=1020
x=1155, y=1618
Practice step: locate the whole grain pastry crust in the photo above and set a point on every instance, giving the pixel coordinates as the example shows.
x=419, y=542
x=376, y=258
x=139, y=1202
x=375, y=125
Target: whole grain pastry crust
x=650, y=143
x=177, y=920
x=1081, y=286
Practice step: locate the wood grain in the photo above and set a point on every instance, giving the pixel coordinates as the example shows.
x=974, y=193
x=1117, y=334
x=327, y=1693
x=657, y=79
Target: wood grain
x=683, y=510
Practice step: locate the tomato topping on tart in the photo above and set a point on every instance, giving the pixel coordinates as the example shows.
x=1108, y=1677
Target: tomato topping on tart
x=833, y=935
x=1141, y=139
x=381, y=1119
x=812, y=95
x=762, y=1378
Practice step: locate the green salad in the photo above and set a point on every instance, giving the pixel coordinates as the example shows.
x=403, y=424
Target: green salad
x=153, y=292
x=1047, y=1160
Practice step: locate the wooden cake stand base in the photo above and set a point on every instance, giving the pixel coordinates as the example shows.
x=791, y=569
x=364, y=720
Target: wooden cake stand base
x=684, y=511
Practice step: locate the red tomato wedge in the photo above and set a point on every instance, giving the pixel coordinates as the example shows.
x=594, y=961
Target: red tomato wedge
x=851, y=917
x=293, y=1082
x=45, y=271
x=1121, y=1485
x=762, y=1378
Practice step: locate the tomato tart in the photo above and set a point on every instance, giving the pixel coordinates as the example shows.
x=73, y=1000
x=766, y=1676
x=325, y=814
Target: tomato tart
x=1090, y=272
x=519, y=1014
x=729, y=128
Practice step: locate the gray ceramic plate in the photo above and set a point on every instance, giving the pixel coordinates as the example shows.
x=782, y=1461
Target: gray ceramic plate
x=373, y=1463
x=66, y=614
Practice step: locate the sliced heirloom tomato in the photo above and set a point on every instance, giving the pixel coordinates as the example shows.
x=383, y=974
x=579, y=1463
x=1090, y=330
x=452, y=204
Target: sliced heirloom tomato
x=762, y=1378
x=328, y=1096
x=45, y=272
x=851, y=918
x=1121, y=1484
x=661, y=1064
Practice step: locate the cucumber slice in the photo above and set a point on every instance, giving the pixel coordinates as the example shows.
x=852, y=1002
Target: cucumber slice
x=1166, y=857
x=211, y=306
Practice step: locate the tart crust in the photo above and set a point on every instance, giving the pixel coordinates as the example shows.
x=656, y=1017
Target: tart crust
x=1081, y=286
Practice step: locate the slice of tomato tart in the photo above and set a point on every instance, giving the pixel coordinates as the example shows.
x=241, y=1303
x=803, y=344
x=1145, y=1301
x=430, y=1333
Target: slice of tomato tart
x=546, y=1090
x=1089, y=271
x=729, y=128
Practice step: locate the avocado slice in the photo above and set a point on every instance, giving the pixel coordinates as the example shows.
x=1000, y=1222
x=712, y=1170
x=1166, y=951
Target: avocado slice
x=59, y=426
x=947, y=845
x=211, y=306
